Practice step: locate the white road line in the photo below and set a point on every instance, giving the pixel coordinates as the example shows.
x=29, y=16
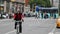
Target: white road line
x=4, y=25
x=10, y=32
x=52, y=32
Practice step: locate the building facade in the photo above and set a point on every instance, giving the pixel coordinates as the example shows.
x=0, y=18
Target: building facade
x=26, y=7
x=7, y=6
x=55, y=3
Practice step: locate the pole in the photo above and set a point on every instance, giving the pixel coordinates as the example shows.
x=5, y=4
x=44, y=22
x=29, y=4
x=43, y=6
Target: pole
x=52, y=3
x=59, y=8
x=4, y=6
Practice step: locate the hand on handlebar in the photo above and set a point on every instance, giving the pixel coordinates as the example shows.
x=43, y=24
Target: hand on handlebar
x=22, y=20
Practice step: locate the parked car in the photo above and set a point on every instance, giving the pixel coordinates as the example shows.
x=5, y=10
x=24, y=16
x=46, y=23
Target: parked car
x=4, y=16
x=58, y=23
x=27, y=15
x=30, y=14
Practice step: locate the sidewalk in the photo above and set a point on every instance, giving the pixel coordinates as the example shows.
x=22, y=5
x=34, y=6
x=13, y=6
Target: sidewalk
x=5, y=19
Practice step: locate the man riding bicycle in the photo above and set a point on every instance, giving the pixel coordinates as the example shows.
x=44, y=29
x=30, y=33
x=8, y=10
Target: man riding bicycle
x=18, y=17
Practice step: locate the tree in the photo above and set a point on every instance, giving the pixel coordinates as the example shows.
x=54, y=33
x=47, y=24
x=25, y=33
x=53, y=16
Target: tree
x=48, y=4
x=45, y=3
x=31, y=2
x=42, y=3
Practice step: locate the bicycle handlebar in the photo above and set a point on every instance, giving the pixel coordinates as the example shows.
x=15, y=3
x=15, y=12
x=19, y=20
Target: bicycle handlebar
x=18, y=21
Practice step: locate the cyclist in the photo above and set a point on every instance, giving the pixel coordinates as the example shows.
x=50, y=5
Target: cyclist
x=18, y=16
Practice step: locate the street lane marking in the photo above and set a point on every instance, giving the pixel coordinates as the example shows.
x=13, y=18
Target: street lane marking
x=52, y=32
x=10, y=32
x=2, y=25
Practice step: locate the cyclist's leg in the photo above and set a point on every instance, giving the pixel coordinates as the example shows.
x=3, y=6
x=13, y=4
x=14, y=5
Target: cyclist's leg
x=15, y=24
x=20, y=27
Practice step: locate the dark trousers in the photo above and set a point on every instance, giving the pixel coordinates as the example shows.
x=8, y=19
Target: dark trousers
x=20, y=26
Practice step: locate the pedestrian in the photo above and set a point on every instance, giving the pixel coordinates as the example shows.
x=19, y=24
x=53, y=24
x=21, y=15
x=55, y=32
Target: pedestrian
x=45, y=16
x=6, y=15
x=18, y=16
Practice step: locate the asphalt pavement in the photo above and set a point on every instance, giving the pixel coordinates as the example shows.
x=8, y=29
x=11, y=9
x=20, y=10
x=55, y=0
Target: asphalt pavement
x=29, y=26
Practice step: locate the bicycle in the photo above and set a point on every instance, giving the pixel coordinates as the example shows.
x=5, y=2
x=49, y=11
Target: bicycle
x=17, y=27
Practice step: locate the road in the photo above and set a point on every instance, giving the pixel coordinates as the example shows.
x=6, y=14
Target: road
x=30, y=26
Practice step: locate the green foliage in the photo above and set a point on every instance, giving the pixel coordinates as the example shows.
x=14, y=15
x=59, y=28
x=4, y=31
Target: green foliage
x=48, y=4
x=45, y=3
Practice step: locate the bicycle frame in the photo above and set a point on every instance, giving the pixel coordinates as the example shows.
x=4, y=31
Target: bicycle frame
x=17, y=27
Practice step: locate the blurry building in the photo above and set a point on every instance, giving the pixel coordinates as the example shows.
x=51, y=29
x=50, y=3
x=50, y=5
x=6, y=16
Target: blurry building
x=55, y=2
x=26, y=7
x=8, y=6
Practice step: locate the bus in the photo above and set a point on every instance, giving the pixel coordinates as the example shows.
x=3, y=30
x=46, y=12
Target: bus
x=51, y=12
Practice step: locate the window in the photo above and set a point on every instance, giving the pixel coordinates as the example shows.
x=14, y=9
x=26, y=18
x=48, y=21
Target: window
x=1, y=2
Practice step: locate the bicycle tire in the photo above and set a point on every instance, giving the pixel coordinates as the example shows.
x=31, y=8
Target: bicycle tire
x=17, y=29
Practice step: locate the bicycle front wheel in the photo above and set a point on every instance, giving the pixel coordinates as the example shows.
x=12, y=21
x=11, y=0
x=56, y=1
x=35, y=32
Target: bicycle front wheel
x=17, y=29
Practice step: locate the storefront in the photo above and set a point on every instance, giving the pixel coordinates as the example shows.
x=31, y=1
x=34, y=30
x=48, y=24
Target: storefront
x=4, y=5
x=9, y=6
x=1, y=9
x=1, y=6
x=15, y=5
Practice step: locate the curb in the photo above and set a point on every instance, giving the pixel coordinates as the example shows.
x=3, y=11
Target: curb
x=5, y=19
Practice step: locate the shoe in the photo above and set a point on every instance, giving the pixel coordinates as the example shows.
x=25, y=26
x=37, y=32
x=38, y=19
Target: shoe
x=20, y=32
